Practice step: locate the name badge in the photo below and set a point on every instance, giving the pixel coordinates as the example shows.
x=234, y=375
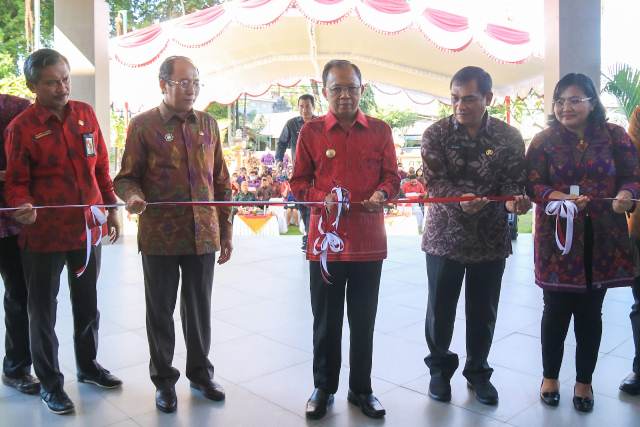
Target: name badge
x=89, y=146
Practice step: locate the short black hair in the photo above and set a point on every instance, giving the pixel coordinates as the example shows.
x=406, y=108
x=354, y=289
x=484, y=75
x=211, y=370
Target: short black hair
x=471, y=73
x=307, y=97
x=339, y=63
x=39, y=60
x=598, y=116
x=166, y=68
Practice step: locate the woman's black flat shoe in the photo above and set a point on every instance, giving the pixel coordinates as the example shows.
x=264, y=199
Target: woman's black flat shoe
x=583, y=404
x=550, y=398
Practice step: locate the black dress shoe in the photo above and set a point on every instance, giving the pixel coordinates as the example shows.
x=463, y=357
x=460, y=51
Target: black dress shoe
x=631, y=384
x=27, y=384
x=550, y=398
x=103, y=378
x=211, y=390
x=368, y=403
x=57, y=401
x=317, y=404
x=166, y=399
x=583, y=404
x=484, y=391
x=440, y=389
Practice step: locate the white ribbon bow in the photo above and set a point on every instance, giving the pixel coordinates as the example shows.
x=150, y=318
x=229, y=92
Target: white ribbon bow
x=563, y=209
x=99, y=218
x=330, y=240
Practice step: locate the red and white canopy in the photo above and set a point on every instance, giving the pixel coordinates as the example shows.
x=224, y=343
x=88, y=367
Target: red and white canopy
x=247, y=46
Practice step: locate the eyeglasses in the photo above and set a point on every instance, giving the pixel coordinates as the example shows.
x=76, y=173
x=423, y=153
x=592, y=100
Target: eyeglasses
x=186, y=84
x=572, y=102
x=339, y=90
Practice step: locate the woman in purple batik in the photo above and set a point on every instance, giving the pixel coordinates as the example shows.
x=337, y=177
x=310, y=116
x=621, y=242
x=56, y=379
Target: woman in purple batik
x=580, y=157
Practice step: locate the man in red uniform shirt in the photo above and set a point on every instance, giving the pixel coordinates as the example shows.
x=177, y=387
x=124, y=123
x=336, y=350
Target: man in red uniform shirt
x=56, y=156
x=16, y=366
x=347, y=149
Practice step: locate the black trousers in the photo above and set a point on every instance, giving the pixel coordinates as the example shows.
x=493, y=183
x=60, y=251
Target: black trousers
x=42, y=274
x=586, y=309
x=17, y=358
x=161, y=278
x=361, y=282
x=482, y=290
x=635, y=324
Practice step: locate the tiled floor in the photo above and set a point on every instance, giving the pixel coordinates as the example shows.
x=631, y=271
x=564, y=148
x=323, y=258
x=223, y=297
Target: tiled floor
x=262, y=350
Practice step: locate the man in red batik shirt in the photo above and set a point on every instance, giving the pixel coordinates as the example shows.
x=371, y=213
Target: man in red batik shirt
x=346, y=149
x=56, y=156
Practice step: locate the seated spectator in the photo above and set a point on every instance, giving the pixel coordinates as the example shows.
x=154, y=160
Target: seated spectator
x=235, y=187
x=292, y=213
x=244, y=195
x=253, y=181
x=401, y=172
x=412, y=185
x=420, y=177
x=275, y=187
x=242, y=175
x=264, y=192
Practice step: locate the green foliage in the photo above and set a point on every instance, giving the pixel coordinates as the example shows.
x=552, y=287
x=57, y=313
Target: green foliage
x=15, y=85
x=400, y=120
x=444, y=110
x=12, y=33
x=118, y=130
x=624, y=84
x=368, y=101
x=218, y=111
x=142, y=13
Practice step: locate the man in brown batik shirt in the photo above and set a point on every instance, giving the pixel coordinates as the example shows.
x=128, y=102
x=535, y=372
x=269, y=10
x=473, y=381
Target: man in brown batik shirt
x=174, y=153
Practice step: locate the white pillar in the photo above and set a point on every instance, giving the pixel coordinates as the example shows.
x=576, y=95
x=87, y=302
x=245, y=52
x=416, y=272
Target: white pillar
x=572, y=42
x=81, y=33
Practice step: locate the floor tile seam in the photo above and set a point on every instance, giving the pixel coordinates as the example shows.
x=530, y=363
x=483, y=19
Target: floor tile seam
x=265, y=374
x=285, y=343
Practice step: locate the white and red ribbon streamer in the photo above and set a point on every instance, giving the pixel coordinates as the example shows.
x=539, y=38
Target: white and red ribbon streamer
x=94, y=218
x=330, y=239
x=563, y=209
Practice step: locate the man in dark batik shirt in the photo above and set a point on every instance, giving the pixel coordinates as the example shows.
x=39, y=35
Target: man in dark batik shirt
x=468, y=154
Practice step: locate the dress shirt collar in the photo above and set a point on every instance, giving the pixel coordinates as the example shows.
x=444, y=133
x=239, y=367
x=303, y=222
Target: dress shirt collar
x=167, y=113
x=486, y=119
x=43, y=114
x=331, y=120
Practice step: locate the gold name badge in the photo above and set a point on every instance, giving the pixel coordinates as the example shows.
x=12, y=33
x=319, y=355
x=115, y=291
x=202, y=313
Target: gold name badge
x=42, y=134
x=331, y=153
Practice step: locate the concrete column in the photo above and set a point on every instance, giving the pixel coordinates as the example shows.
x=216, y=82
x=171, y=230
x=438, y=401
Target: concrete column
x=572, y=42
x=81, y=33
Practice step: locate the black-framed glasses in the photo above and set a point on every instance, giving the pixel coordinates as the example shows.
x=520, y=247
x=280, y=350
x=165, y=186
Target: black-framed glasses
x=339, y=90
x=571, y=101
x=186, y=84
